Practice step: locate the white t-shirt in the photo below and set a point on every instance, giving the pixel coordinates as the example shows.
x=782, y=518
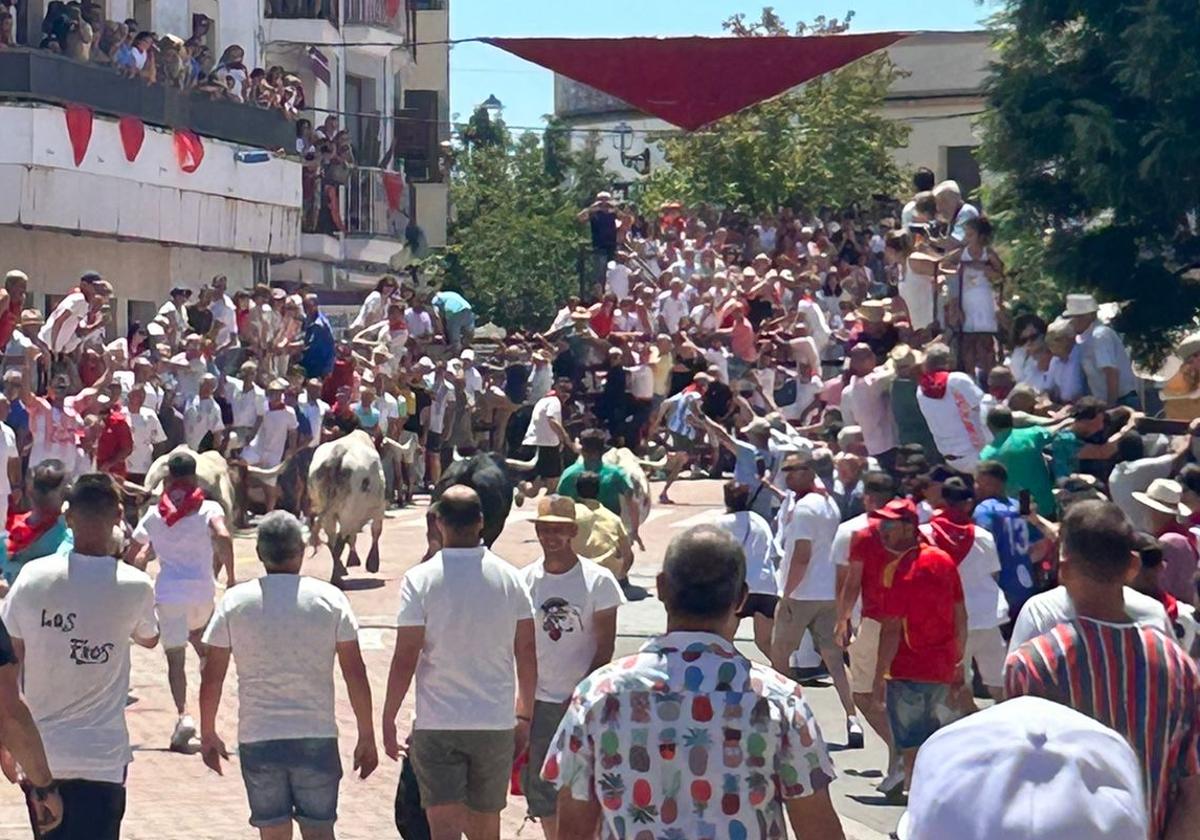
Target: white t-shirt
x=225, y=316
x=185, y=552
x=147, y=432
x=8, y=452
x=618, y=279
x=1047, y=610
x=954, y=420
x=672, y=310
x=71, y=310
x=1102, y=348
x=55, y=434
x=565, y=606
x=187, y=379
x=419, y=323
x=76, y=615
x=540, y=432
x=641, y=382
x=1128, y=477
x=754, y=534
x=469, y=602
x=247, y=406
x=283, y=630
x=269, y=444
x=867, y=403
x=396, y=342
x=815, y=518
x=388, y=408
x=201, y=417
x=314, y=412
x=985, y=603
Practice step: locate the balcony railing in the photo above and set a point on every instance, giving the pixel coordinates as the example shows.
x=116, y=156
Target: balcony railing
x=387, y=14
x=372, y=202
x=43, y=76
x=303, y=10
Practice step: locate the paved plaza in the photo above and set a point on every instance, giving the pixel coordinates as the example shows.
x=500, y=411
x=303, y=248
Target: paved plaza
x=175, y=796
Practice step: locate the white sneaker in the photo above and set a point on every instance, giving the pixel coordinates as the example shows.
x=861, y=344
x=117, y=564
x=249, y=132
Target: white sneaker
x=185, y=731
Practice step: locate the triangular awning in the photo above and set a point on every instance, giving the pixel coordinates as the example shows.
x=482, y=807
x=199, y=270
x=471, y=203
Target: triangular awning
x=691, y=82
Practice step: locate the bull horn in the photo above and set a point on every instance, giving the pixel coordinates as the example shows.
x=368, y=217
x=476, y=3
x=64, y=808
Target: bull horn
x=259, y=472
x=457, y=458
x=520, y=466
x=661, y=463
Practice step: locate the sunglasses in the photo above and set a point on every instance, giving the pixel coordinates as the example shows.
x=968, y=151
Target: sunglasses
x=796, y=468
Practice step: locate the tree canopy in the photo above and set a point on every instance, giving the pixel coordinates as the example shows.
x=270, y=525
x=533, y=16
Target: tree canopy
x=824, y=144
x=1094, y=111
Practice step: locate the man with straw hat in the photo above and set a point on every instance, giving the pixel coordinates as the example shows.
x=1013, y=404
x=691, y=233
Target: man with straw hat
x=1164, y=509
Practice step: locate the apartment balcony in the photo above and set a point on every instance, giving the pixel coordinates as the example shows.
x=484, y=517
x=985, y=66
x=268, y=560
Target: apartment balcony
x=376, y=26
x=361, y=221
x=301, y=21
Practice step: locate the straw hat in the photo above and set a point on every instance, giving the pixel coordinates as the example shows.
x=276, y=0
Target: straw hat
x=1080, y=305
x=1163, y=495
x=875, y=312
x=31, y=318
x=904, y=356
x=560, y=509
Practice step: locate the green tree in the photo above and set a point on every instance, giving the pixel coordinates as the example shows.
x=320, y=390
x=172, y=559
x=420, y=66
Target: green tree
x=824, y=144
x=1095, y=107
x=514, y=239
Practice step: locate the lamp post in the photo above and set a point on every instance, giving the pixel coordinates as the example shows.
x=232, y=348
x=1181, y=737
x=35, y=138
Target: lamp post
x=493, y=106
x=623, y=142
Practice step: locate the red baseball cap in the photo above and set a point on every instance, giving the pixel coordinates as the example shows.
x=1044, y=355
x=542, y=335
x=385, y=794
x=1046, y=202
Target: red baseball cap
x=898, y=510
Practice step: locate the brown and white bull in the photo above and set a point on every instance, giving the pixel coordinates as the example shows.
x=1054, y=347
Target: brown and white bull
x=346, y=491
x=639, y=500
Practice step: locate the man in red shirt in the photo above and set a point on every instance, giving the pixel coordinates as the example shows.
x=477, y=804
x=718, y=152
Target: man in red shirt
x=923, y=634
x=116, y=437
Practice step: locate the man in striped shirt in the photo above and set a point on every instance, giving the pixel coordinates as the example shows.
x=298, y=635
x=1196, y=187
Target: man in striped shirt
x=1130, y=678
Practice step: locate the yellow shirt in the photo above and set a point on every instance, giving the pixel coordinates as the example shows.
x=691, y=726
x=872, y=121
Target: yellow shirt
x=662, y=373
x=600, y=536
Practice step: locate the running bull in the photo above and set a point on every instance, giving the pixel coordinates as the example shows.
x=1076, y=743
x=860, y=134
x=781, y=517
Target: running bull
x=346, y=491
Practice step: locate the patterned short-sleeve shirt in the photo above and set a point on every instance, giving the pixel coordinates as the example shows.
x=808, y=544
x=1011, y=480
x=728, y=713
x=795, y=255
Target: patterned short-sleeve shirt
x=689, y=739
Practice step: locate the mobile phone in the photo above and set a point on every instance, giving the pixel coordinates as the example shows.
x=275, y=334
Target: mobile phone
x=1023, y=500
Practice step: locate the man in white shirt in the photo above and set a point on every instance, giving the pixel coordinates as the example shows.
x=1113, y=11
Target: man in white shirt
x=314, y=409
x=465, y=732
x=69, y=324
x=188, y=535
x=575, y=605
x=672, y=307
x=274, y=443
x=420, y=325
x=189, y=367
x=1104, y=357
x=1047, y=610
x=950, y=402
x=247, y=401
x=867, y=403
x=224, y=315
x=391, y=334
x=974, y=550
x=954, y=212
x=147, y=433
x=806, y=524
x=754, y=535
x=547, y=434
x=287, y=730
x=72, y=616
x=617, y=278
x=54, y=424
x=202, y=417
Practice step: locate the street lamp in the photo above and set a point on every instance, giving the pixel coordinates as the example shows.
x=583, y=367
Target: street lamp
x=493, y=106
x=623, y=142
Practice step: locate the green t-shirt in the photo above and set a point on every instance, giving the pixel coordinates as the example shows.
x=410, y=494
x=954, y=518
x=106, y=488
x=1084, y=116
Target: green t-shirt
x=614, y=483
x=1020, y=451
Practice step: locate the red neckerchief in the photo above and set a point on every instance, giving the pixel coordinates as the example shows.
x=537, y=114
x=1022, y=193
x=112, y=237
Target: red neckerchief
x=178, y=501
x=953, y=532
x=1171, y=603
x=552, y=393
x=1001, y=394
x=22, y=534
x=933, y=385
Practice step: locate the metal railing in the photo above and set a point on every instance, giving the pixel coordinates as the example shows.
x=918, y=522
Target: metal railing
x=376, y=13
x=376, y=203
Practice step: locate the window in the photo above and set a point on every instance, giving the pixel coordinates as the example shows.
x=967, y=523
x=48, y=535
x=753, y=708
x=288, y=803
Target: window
x=961, y=166
x=140, y=311
x=417, y=135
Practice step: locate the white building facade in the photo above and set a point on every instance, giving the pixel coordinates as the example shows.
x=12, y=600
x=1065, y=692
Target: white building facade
x=147, y=225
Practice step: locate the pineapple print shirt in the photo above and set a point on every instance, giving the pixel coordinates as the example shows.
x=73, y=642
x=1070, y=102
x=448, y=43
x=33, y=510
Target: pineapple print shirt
x=689, y=740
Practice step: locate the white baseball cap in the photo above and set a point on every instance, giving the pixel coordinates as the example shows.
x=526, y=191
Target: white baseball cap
x=1026, y=769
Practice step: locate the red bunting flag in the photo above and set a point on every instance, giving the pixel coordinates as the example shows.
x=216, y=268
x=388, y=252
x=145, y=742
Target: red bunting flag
x=189, y=150
x=393, y=186
x=79, y=129
x=133, y=133
x=691, y=82
x=392, y=8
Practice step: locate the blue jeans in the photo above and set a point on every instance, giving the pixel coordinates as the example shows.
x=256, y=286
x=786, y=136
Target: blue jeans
x=916, y=710
x=459, y=325
x=292, y=778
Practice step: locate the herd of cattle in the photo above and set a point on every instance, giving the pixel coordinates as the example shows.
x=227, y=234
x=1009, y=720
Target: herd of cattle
x=341, y=487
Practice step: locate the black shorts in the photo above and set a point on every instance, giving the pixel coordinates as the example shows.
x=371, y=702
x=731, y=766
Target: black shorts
x=433, y=441
x=549, y=462
x=759, y=602
x=682, y=443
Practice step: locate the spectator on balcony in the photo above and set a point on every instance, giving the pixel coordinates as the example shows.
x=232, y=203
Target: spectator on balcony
x=54, y=27
x=135, y=59
x=113, y=36
x=293, y=95
x=232, y=73
x=328, y=129
x=304, y=136
x=374, y=308
x=7, y=28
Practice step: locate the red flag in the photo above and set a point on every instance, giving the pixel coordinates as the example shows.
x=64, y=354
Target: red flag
x=392, y=7
x=189, y=151
x=393, y=186
x=79, y=129
x=691, y=82
x=133, y=133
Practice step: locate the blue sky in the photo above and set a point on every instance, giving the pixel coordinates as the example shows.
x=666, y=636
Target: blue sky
x=527, y=91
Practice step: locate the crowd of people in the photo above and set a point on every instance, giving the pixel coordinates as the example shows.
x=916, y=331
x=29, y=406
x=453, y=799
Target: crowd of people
x=951, y=504
x=79, y=30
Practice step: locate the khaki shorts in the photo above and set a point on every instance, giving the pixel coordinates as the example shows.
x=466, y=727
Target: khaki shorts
x=864, y=657
x=177, y=621
x=471, y=767
x=794, y=618
x=988, y=650
x=540, y=795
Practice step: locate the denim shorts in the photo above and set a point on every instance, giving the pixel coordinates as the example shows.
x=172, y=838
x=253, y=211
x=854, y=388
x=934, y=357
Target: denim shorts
x=916, y=710
x=293, y=778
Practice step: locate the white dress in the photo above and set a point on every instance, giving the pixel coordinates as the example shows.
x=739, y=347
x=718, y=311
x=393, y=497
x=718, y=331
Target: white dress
x=917, y=292
x=978, y=297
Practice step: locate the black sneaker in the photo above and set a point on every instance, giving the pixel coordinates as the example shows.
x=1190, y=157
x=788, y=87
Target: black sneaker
x=632, y=591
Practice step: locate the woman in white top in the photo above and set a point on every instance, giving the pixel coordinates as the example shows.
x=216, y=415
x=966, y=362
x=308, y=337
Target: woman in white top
x=918, y=284
x=374, y=308
x=1027, y=330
